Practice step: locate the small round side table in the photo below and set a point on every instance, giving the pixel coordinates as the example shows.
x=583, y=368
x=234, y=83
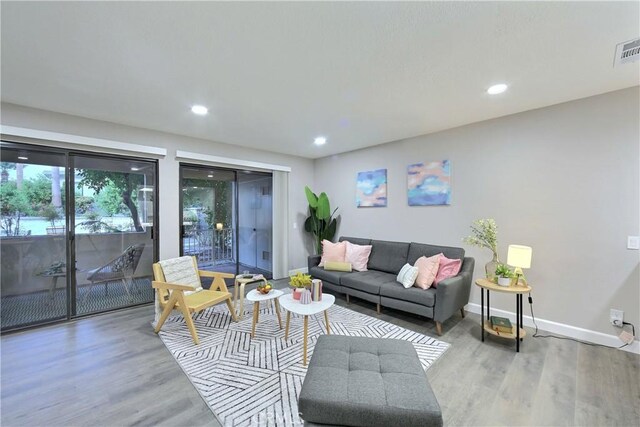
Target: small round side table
x=256, y=297
x=517, y=332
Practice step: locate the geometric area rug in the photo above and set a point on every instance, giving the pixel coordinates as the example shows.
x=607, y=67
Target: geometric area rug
x=257, y=381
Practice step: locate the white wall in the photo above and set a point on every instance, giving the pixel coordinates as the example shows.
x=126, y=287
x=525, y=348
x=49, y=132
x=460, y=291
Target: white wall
x=562, y=179
x=169, y=186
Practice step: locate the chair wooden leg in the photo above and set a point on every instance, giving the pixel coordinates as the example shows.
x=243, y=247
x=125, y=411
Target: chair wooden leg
x=462, y=312
x=167, y=310
x=378, y=308
x=187, y=317
x=286, y=328
x=232, y=310
x=439, y=328
x=277, y=306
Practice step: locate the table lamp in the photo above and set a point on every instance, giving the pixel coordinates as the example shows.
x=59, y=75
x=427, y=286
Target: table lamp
x=519, y=256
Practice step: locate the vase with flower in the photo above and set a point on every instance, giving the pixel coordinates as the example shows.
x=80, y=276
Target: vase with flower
x=484, y=234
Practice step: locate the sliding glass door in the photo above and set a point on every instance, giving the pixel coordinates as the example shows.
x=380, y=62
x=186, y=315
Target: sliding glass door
x=113, y=240
x=226, y=219
x=33, y=242
x=77, y=233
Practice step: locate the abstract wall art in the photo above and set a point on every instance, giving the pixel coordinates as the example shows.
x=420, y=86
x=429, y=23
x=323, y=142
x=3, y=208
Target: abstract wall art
x=429, y=183
x=371, y=188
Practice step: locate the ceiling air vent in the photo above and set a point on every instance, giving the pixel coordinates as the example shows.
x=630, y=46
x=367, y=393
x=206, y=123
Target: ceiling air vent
x=627, y=52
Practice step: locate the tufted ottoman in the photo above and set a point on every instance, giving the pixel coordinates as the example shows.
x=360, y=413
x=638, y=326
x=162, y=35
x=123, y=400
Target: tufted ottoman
x=355, y=381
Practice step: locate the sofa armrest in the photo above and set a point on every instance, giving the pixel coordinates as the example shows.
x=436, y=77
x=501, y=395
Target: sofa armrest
x=453, y=294
x=313, y=261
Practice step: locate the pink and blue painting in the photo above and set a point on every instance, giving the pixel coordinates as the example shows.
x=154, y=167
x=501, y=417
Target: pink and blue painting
x=371, y=188
x=429, y=184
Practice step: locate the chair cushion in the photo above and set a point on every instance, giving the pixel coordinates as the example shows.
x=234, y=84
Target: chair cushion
x=368, y=281
x=328, y=275
x=416, y=250
x=358, y=381
x=181, y=271
x=426, y=297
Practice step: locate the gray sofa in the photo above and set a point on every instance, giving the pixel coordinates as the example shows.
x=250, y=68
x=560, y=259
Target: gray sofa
x=378, y=285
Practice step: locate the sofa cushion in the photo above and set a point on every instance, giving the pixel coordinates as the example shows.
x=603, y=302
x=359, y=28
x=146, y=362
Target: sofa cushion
x=368, y=281
x=416, y=250
x=388, y=256
x=355, y=240
x=329, y=276
x=358, y=255
x=332, y=252
x=415, y=295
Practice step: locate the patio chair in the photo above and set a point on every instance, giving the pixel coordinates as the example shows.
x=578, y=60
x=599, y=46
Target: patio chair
x=119, y=269
x=177, y=282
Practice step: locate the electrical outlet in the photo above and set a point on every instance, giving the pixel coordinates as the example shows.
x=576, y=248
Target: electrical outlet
x=616, y=317
x=633, y=242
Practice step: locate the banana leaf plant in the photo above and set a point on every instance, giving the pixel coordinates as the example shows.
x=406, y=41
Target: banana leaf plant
x=320, y=222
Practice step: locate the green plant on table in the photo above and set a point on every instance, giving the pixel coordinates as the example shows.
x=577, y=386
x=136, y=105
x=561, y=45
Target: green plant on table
x=300, y=280
x=503, y=270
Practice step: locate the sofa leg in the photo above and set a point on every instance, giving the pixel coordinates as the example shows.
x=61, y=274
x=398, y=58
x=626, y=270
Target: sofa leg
x=439, y=328
x=348, y=302
x=462, y=312
x=378, y=308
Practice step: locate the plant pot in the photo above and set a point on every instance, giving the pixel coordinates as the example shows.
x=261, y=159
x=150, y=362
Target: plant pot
x=297, y=292
x=504, y=281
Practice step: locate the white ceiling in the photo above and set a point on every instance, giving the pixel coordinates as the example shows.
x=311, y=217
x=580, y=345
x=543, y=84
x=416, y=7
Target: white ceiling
x=276, y=75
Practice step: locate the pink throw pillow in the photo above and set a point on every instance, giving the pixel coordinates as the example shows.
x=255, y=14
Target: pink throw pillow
x=332, y=252
x=358, y=256
x=448, y=268
x=427, y=270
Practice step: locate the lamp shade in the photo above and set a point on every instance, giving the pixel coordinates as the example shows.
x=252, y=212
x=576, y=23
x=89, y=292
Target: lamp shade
x=219, y=226
x=519, y=256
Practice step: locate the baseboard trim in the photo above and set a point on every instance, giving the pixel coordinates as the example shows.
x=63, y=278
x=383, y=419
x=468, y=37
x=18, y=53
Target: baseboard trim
x=295, y=271
x=563, y=329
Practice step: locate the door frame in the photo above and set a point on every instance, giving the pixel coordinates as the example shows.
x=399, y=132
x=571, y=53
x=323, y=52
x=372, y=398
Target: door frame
x=236, y=214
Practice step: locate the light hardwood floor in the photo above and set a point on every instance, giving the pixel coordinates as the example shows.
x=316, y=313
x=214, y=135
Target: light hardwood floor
x=113, y=370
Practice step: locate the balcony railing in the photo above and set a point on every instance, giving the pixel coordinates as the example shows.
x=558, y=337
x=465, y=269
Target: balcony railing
x=210, y=246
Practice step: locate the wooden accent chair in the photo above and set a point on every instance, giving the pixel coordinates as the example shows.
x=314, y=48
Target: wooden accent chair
x=177, y=282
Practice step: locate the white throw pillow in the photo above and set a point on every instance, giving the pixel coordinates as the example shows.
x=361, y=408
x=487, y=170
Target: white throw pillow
x=407, y=275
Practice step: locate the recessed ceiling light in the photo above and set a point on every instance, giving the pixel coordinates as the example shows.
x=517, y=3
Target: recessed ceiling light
x=496, y=89
x=135, y=169
x=321, y=140
x=200, y=110
x=23, y=158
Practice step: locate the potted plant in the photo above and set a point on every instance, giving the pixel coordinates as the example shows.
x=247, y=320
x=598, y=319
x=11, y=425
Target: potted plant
x=320, y=222
x=485, y=235
x=52, y=214
x=504, y=275
x=299, y=283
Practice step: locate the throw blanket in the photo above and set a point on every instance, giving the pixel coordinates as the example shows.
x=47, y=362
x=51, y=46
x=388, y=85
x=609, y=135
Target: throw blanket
x=180, y=271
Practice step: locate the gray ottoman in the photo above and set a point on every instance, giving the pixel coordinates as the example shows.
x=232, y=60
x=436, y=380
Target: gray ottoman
x=354, y=381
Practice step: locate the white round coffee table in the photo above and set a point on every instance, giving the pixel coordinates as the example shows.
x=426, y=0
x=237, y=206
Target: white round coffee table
x=306, y=310
x=256, y=297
